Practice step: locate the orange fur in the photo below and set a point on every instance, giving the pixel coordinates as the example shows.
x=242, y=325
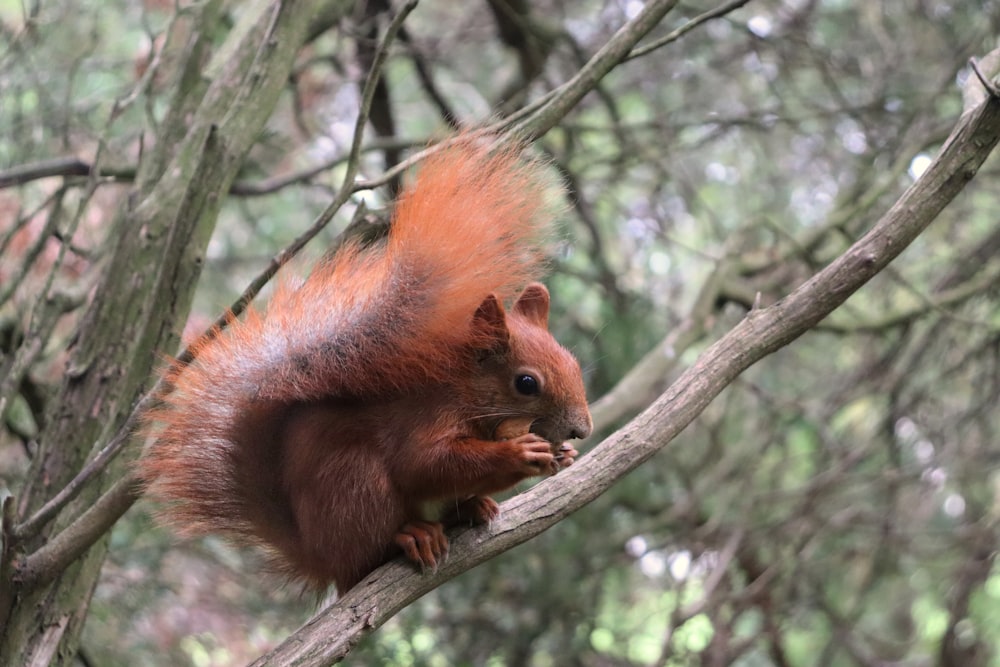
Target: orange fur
x=320, y=428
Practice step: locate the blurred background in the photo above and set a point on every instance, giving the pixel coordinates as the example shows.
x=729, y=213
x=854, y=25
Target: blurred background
x=836, y=505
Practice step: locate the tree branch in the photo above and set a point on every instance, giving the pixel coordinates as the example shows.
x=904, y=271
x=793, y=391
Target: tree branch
x=334, y=631
x=674, y=35
x=535, y=119
x=607, y=58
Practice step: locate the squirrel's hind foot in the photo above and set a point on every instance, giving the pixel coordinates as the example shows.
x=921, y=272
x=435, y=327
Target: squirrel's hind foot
x=424, y=543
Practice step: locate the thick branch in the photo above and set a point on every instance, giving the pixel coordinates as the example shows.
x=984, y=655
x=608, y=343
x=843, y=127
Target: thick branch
x=164, y=224
x=332, y=633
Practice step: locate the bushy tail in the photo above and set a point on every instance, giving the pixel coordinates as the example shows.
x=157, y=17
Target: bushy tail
x=369, y=323
x=366, y=323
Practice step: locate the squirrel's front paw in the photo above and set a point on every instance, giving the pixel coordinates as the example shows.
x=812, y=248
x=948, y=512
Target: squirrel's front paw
x=565, y=454
x=535, y=455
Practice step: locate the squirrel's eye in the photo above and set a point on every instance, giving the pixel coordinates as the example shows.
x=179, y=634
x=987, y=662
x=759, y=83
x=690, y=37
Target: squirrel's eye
x=526, y=384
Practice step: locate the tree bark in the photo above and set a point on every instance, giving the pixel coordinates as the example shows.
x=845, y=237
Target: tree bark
x=159, y=239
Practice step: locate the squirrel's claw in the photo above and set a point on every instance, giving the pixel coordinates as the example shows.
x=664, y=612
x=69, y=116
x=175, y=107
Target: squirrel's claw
x=424, y=543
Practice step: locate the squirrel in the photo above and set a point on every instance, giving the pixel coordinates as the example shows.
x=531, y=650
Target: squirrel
x=387, y=394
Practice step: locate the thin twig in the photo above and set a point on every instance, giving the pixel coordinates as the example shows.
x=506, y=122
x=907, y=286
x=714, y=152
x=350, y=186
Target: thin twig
x=674, y=35
x=989, y=85
x=609, y=56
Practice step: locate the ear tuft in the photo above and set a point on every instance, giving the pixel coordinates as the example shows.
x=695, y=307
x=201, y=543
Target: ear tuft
x=533, y=304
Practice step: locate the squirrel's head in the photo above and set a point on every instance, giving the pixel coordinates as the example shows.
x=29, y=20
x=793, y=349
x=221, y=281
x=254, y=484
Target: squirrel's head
x=524, y=372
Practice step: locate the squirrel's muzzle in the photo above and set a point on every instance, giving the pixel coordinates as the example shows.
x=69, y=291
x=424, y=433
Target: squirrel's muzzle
x=575, y=425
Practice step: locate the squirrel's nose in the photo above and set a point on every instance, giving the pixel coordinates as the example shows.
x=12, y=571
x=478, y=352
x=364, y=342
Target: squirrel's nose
x=582, y=428
x=574, y=425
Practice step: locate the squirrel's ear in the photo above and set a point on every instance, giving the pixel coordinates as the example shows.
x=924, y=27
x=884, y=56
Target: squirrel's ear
x=534, y=304
x=489, y=325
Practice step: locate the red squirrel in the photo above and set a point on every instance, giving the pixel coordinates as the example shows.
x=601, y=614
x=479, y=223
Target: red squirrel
x=390, y=382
